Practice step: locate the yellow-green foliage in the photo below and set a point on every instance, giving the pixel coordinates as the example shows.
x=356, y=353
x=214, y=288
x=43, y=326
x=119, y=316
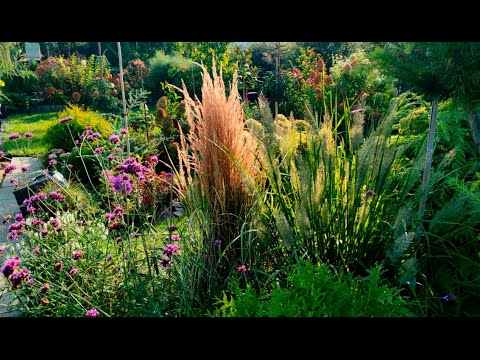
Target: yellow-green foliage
x=59, y=136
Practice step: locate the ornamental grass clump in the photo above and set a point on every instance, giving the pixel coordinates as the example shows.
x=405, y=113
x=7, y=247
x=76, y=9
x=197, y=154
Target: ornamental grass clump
x=216, y=161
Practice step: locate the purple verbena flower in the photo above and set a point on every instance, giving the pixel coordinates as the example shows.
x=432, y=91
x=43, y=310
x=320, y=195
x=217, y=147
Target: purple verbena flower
x=37, y=250
x=24, y=168
x=10, y=265
x=175, y=237
x=93, y=313
x=52, y=156
x=77, y=254
x=242, y=269
x=52, y=162
x=166, y=262
x=99, y=150
x=217, y=243
x=13, y=136
x=28, y=134
x=65, y=119
x=118, y=239
x=123, y=131
x=6, y=218
x=369, y=193
x=44, y=288
x=73, y=271
x=170, y=249
x=9, y=168
x=114, y=139
x=111, y=157
x=58, y=266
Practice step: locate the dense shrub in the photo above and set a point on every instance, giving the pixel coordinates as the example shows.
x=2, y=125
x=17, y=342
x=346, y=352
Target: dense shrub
x=63, y=134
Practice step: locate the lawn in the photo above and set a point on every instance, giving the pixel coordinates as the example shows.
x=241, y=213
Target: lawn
x=22, y=123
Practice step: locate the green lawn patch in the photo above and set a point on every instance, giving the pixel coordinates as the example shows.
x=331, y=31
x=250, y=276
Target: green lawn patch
x=22, y=123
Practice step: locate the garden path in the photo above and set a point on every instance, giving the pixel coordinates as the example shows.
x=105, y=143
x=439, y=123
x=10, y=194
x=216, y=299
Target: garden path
x=8, y=205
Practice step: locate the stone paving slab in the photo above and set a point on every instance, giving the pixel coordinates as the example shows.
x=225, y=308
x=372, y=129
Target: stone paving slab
x=8, y=205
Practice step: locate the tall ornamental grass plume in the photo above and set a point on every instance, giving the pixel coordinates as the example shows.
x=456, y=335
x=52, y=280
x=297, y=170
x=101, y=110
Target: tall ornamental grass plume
x=335, y=199
x=216, y=165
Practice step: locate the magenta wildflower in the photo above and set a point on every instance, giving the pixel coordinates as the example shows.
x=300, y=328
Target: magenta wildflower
x=44, y=288
x=111, y=157
x=24, y=168
x=30, y=281
x=73, y=271
x=217, y=243
x=135, y=235
x=31, y=209
x=166, y=262
x=175, y=237
x=52, y=156
x=76, y=142
x=2, y=154
x=88, y=128
x=58, y=266
x=18, y=217
x=118, y=239
x=37, y=250
x=93, y=313
x=44, y=301
x=9, y=168
x=44, y=232
x=114, y=139
x=170, y=249
x=10, y=265
x=65, y=119
x=121, y=183
x=118, y=149
x=28, y=134
x=126, y=256
x=123, y=131
x=52, y=162
x=13, y=136
x=55, y=222
x=6, y=218
x=109, y=258
x=17, y=277
x=110, y=215
x=77, y=254
x=242, y=269
x=369, y=193
x=99, y=150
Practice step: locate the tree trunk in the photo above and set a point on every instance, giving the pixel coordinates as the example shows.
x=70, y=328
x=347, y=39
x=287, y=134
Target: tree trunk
x=124, y=101
x=428, y=164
